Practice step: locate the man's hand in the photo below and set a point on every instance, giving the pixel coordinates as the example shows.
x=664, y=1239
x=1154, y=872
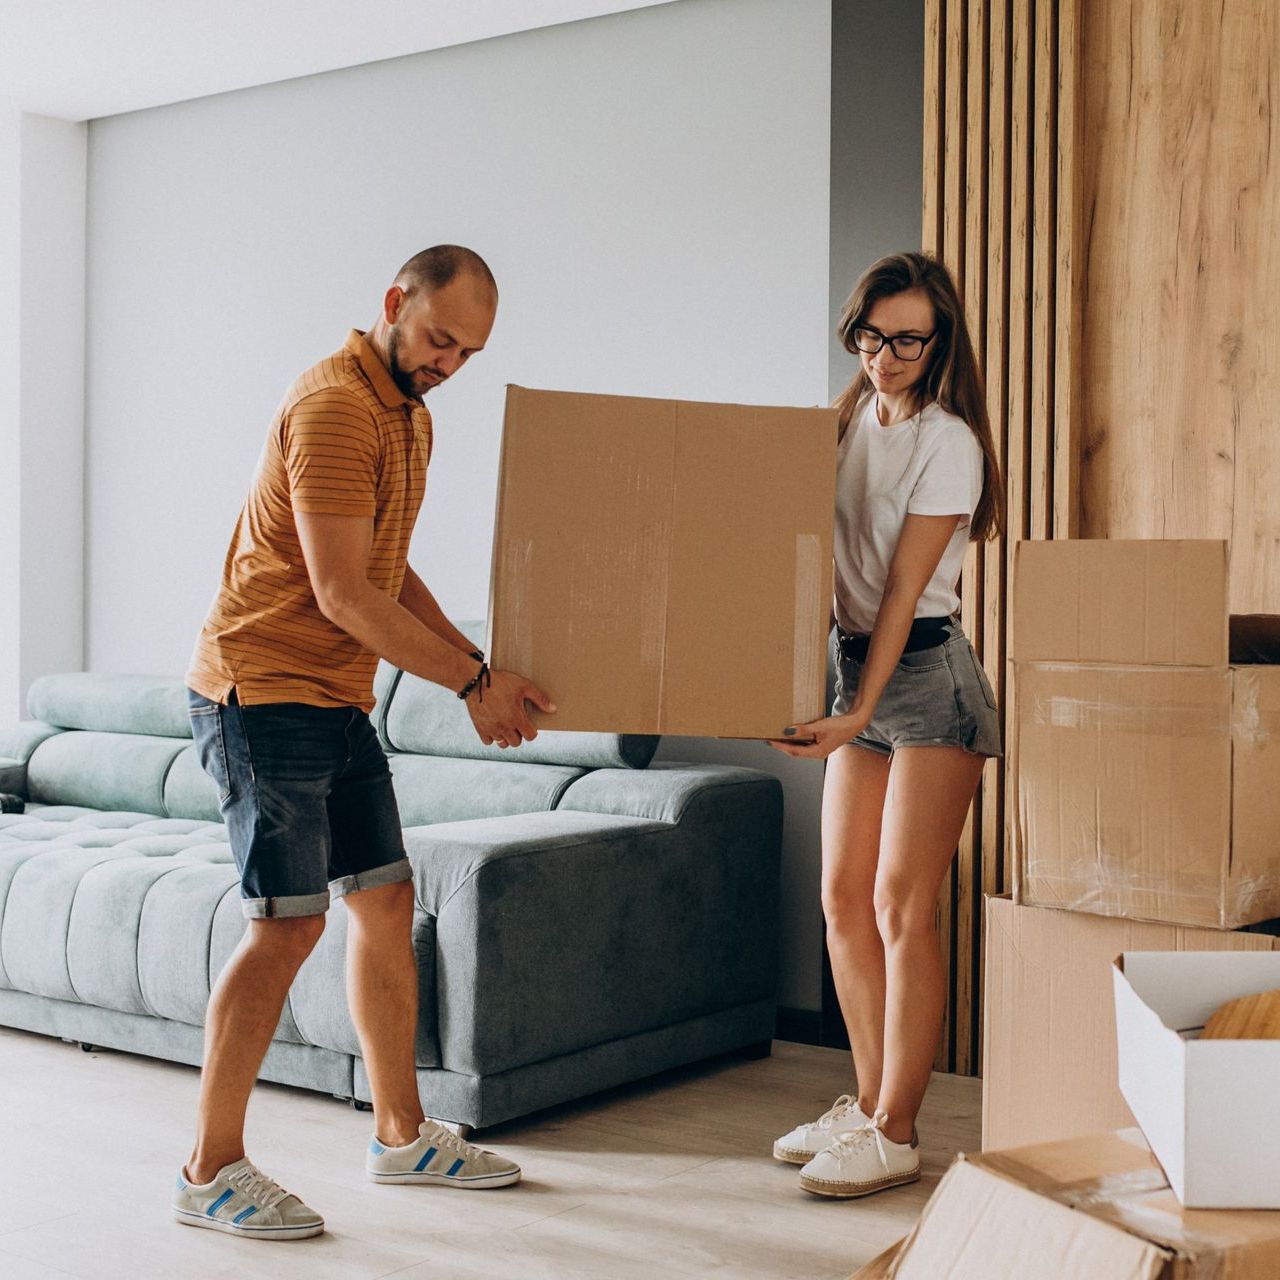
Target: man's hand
x=503, y=717
x=819, y=738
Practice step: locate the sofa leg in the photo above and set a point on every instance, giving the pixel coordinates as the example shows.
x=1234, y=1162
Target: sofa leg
x=361, y=1106
x=88, y=1048
x=754, y=1052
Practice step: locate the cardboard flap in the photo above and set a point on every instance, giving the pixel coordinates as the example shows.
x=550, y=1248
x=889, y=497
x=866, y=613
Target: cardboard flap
x=982, y=1226
x=1183, y=988
x=1103, y=600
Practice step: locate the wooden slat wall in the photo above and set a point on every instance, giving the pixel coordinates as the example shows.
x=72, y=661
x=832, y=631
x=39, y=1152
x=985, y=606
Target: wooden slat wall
x=1179, y=167
x=1002, y=208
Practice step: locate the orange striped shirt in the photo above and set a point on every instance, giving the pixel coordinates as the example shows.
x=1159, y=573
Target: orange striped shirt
x=345, y=441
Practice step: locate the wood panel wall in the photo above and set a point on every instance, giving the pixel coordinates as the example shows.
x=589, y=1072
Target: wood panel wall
x=1103, y=178
x=1182, y=270
x=1002, y=209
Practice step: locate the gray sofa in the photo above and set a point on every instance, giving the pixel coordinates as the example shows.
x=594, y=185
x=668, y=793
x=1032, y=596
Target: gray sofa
x=585, y=917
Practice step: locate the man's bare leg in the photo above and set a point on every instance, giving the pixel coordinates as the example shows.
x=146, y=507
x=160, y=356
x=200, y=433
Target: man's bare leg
x=244, y=1010
x=382, y=991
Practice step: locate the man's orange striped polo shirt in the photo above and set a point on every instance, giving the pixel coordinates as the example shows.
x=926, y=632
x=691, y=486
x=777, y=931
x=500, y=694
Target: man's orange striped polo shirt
x=345, y=441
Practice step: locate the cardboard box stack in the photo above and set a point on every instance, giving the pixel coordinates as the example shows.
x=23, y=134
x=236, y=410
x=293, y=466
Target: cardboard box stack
x=1144, y=815
x=1097, y=1208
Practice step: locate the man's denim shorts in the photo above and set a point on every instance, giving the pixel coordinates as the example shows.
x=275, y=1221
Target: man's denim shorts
x=938, y=697
x=306, y=796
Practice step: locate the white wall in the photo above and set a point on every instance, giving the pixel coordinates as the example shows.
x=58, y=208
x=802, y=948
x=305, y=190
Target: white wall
x=42, y=281
x=10, y=415
x=651, y=189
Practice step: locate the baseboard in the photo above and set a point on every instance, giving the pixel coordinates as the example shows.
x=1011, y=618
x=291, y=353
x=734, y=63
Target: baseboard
x=800, y=1026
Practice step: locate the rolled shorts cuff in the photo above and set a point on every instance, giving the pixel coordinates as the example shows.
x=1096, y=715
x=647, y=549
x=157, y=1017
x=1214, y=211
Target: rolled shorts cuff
x=985, y=752
x=376, y=877
x=297, y=904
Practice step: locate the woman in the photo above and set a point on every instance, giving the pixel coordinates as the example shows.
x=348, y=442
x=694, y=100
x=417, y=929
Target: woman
x=914, y=716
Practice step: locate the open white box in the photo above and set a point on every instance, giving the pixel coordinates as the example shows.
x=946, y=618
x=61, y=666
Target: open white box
x=1210, y=1109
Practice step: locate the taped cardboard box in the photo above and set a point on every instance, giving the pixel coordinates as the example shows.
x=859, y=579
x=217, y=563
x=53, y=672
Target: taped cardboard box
x=1082, y=1209
x=1049, y=1029
x=664, y=566
x=1209, y=1108
x=1144, y=759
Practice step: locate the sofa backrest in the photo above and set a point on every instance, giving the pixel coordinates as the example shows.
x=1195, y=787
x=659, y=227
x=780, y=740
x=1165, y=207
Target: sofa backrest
x=425, y=719
x=122, y=742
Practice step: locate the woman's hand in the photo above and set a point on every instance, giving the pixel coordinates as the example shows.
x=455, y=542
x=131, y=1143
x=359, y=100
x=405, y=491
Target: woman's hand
x=819, y=738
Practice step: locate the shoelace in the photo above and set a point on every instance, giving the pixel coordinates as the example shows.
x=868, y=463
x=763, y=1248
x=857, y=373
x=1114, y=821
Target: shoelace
x=841, y=1108
x=252, y=1183
x=443, y=1137
x=846, y=1144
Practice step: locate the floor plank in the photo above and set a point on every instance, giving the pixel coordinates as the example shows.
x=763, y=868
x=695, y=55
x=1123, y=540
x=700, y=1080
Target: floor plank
x=669, y=1177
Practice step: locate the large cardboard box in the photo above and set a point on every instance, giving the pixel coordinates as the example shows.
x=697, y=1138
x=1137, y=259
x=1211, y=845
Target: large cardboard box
x=664, y=566
x=1092, y=1208
x=1144, y=760
x=1049, y=1049
x=1209, y=1108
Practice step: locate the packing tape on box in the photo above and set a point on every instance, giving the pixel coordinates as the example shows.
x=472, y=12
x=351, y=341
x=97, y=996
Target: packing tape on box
x=1135, y=1200
x=811, y=607
x=1111, y=889
x=1056, y=711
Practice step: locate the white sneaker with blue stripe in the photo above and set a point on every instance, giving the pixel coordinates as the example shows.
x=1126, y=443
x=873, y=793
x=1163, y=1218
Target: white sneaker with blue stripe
x=439, y=1156
x=243, y=1201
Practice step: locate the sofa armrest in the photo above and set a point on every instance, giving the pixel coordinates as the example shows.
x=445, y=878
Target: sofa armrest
x=17, y=743
x=662, y=792
x=561, y=930
x=13, y=778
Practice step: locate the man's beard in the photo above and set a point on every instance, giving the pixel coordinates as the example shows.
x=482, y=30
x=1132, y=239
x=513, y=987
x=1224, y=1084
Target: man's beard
x=405, y=379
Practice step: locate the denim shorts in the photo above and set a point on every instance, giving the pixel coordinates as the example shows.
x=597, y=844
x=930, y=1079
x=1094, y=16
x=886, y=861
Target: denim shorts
x=938, y=697
x=306, y=796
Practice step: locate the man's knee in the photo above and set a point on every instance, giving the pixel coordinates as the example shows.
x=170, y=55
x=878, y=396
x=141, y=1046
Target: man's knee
x=291, y=936
x=386, y=901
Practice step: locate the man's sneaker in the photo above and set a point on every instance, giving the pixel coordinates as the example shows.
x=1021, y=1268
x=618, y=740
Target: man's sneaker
x=440, y=1156
x=242, y=1200
x=806, y=1140
x=861, y=1162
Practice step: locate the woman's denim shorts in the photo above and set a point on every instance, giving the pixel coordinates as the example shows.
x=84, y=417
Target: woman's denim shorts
x=938, y=697
x=306, y=796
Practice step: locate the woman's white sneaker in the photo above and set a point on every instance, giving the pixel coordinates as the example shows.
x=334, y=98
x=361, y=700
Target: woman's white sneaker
x=242, y=1201
x=439, y=1156
x=806, y=1140
x=862, y=1162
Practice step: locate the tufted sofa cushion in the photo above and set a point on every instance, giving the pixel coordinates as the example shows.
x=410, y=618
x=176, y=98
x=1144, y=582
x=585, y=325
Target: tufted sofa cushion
x=139, y=914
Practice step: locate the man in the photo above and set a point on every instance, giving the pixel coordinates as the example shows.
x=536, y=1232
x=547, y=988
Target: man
x=315, y=588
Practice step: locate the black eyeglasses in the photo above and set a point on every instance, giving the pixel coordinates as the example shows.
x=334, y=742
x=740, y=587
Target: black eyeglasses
x=906, y=346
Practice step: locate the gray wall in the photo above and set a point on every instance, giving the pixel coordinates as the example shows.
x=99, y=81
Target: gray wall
x=877, y=73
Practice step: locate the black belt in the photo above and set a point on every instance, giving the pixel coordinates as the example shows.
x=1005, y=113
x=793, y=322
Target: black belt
x=925, y=633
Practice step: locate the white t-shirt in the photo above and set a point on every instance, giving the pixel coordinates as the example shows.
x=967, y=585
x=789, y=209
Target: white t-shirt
x=930, y=465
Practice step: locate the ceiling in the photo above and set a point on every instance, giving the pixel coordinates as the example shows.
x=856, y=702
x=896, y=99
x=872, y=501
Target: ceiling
x=80, y=59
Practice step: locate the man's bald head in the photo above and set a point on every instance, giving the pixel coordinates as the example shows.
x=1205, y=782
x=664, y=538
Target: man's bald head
x=436, y=268
x=435, y=317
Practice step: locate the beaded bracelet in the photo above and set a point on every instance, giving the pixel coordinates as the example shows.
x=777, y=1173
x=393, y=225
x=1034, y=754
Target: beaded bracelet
x=479, y=680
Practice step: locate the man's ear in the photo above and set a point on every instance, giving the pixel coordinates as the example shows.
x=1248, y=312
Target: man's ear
x=392, y=303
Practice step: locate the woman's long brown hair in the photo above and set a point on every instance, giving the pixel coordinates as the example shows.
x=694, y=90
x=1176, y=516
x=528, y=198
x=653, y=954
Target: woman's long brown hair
x=952, y=379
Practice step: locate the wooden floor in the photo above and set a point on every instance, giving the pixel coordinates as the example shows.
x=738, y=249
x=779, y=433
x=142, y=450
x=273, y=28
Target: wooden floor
x=670, y=1178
